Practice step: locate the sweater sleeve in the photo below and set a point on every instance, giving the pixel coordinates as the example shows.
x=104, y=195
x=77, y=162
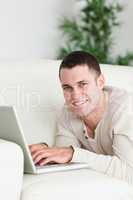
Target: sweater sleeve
x=64, y=138
x=120, y=165
x=64, y=135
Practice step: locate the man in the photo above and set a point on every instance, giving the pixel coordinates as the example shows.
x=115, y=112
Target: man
x=96, y=123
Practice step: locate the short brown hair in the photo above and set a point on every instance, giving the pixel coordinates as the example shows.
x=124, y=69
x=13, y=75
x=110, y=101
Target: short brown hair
x=80, y=58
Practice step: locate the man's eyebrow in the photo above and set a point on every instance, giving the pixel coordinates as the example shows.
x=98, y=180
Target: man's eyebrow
x=82, y=81
x=66, y=85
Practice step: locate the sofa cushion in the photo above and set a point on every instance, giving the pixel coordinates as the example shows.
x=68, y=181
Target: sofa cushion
x=33, y=88
x=118, y=76
x=11, y=170
x=77, y=184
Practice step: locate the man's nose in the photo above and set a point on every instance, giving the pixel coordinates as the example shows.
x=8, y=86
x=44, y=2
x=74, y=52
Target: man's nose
x=76, y=93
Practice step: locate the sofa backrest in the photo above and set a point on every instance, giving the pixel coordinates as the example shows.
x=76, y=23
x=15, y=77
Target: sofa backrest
x=33, y=88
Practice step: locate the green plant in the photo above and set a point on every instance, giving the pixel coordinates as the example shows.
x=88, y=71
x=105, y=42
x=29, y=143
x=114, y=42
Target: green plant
x=92, y=32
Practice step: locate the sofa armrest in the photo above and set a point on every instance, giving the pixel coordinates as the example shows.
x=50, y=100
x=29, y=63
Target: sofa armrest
x=11, y=170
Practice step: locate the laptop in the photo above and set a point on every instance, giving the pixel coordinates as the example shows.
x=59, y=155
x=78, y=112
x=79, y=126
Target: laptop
x=11, y=130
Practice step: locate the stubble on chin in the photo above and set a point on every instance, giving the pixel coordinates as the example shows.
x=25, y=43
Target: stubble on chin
x=80, y=114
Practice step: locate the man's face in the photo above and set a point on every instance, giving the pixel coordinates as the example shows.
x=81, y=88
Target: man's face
x=81, y=89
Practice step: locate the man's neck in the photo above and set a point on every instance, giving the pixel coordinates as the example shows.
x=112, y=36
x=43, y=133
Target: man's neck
x=91, y=121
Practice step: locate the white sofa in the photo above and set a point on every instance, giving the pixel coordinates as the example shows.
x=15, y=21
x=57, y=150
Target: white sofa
x=33, y=88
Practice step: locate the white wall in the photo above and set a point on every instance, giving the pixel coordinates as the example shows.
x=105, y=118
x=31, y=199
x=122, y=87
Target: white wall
x=28, y=28
x=124, y=35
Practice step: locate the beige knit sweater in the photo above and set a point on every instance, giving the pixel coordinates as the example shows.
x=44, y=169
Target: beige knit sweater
x=111, y=150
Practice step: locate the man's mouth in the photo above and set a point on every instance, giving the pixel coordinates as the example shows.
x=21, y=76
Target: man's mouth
x=79, y=103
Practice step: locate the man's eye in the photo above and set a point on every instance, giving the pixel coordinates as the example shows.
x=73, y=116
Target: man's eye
x=83, y=84
x=67, y=88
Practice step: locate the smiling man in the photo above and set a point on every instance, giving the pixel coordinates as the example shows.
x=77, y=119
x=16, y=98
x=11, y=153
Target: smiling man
x=96, y=123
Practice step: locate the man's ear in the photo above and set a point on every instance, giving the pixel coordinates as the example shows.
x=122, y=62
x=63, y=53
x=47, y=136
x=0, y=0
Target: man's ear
x=101, y=81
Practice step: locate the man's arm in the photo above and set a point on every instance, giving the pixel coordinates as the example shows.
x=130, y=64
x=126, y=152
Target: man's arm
x=120, y=164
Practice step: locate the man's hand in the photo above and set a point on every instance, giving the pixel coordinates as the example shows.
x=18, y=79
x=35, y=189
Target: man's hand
x=35, y=148
x=44, y=155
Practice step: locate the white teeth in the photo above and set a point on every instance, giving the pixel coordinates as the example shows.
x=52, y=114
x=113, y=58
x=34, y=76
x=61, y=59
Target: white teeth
x=79, y=103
